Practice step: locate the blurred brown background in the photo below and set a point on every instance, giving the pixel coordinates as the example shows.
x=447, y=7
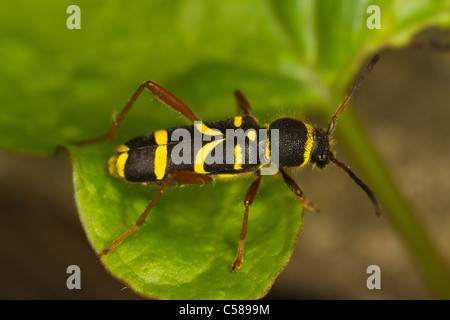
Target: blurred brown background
x=404, y=105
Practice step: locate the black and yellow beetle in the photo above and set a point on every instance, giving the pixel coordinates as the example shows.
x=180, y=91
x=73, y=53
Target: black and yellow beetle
x=159, y=158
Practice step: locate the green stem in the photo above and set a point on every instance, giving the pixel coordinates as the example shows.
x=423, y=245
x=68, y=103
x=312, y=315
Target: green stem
x=405, y=220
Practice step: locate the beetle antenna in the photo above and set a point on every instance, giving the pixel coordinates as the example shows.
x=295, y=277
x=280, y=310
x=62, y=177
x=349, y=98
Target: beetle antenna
x=355, y=87
x=358, y=182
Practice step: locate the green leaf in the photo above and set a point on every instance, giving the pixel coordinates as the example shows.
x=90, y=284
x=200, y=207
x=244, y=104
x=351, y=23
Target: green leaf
x=186, y=247
x=61, y=86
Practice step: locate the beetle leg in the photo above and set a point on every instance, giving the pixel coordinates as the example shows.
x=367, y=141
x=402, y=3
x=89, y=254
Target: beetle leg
x=161, y=94
x=251, y=195
x=298, y=191
x=243, y=105
x=180, y=177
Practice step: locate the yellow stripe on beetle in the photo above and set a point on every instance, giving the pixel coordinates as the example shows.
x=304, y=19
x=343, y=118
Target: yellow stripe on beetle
x=251, y=134
x=204, y=129
x=308, y=144
x=120, y=164
x=122, y=148
x=160, y=160
x=116, y=164
x=237, y=121
x=267, y=143
x=237, y=157
x=202, y=154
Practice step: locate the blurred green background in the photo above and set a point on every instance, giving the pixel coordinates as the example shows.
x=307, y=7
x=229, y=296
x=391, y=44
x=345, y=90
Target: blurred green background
x=403, y=106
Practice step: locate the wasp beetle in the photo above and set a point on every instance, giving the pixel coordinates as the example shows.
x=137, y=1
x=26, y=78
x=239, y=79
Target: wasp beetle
x=149, y=158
